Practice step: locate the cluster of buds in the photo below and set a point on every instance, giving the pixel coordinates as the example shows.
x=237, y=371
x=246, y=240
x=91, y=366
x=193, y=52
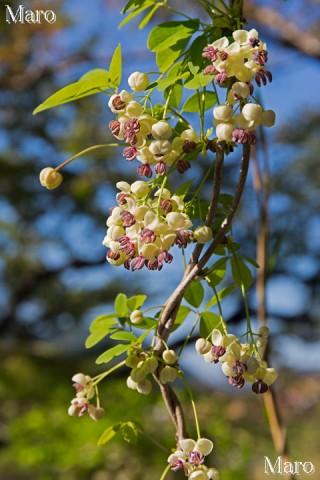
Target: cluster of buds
x=242, y=60
x=239, y=128
x=148, y=140
x=190, y=458
x=240, y=362
x=85, y=391
x=143, y=229
x=143, y=364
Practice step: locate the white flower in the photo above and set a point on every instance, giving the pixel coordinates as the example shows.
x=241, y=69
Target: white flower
x=50, y=178
x=203, y=346
x=140, y=188
x=223, y=113
x=161, y=130
x=224, y=131
x=203, y=234
x=138, y=81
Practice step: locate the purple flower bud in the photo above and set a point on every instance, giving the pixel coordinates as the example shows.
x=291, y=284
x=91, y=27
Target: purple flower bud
x=130, y=153
x=115, y=127
x=127, y=218
x=188, y=146
x=160, y=168
x=145, y=170
x=182, y=166
x=137, y=263
x=260, y=387
x=236, y=381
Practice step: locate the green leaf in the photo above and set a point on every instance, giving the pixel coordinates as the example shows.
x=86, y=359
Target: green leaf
x=194, y=293
x=224, y=292
x=175, y=93
x=250, y=260
x=149, y=15
x=146, y=324
x=132, y=4
x=124, y=336
x=208, y=322
x=167, y=34
x=115, y=69
x=217, y=275
x=196, y=49
x=112, y=352
x=129, y=432
x=108, y=434
x=198, y=81
x=183, y=189
x=167, y=82
x=192, y=104
x=103, y=321
x=134, y=303
x=241, y=273
x=144, y=6
x=97, y=335
x=168, y=56
x=120, y=305
x=226, y=200
x=183, y=313
x=91, y=83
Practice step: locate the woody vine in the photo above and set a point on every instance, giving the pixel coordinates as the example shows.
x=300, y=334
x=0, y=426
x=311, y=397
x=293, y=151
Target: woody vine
x=218, y=66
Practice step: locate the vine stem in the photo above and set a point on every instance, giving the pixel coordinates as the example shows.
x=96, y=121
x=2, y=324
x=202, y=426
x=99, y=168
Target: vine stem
x=83, y=152
x=193, y=405
x=165, y=472
x=195, y=267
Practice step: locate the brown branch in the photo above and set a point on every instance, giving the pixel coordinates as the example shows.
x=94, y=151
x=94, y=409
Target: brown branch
x=287, y=31
x=171, y=308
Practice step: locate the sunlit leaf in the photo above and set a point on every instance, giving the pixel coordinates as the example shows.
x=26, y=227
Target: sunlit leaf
x=194, y=294
x=112, y=352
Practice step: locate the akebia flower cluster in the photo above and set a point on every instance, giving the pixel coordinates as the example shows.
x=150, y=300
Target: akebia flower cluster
x=144, y=363
x=142, y=229
x=85, y=391
x=240, y=362
x=235, y=65
x=148, y=140
x=190, y=457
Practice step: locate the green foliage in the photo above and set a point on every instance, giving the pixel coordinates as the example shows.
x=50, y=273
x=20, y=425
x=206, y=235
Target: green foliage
x=208, y=322
x=193, y=102
x=183, y=313
x=224, y=292
x=92, y=82
x=113, y=352
x=194, y=293
x=217, y=272
x=120, y=305
x=100, y=328
x=136, y=302
x=241, y=274
x=115, y=69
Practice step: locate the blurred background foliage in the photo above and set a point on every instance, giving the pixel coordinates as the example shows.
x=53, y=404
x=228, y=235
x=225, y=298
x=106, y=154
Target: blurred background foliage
x=54, y=278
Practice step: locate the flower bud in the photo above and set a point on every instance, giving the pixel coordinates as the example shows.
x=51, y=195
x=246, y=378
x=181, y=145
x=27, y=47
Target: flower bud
x=169, y=356
x=138, y=374
x=134, y=109
x=203, y=346
x=50, y=178
x=131, y=384
x=224, y=131
x=140, y=188
x=252, y=112
x=132, y=361
x=144, y=387
x=136, y=317
x=203, y=234
x=161, y=130
x=160, y=148
x=138, y=81
x=151, y=364
x=213, y=474
x=96, y=413
x=168, y=374
x=223, y=113
x=268, y=118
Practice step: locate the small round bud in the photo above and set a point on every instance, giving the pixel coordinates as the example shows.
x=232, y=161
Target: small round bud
x=252, y=112
x=213, y=474
x=138, y=374
x=170, y=357
x=136, y=317
x=203, y=346
x=96, y=413
x=161, y=130
x=73, y=411
x=131, y=384
x=132, y=361
x=168, y=374
x=224, y=131
x=203, y=234
x=140, y=188
x=50, y=178
x=151, y=364
x=138, y=81
x=223, y=113
x=144, y=387
x=268, y=118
